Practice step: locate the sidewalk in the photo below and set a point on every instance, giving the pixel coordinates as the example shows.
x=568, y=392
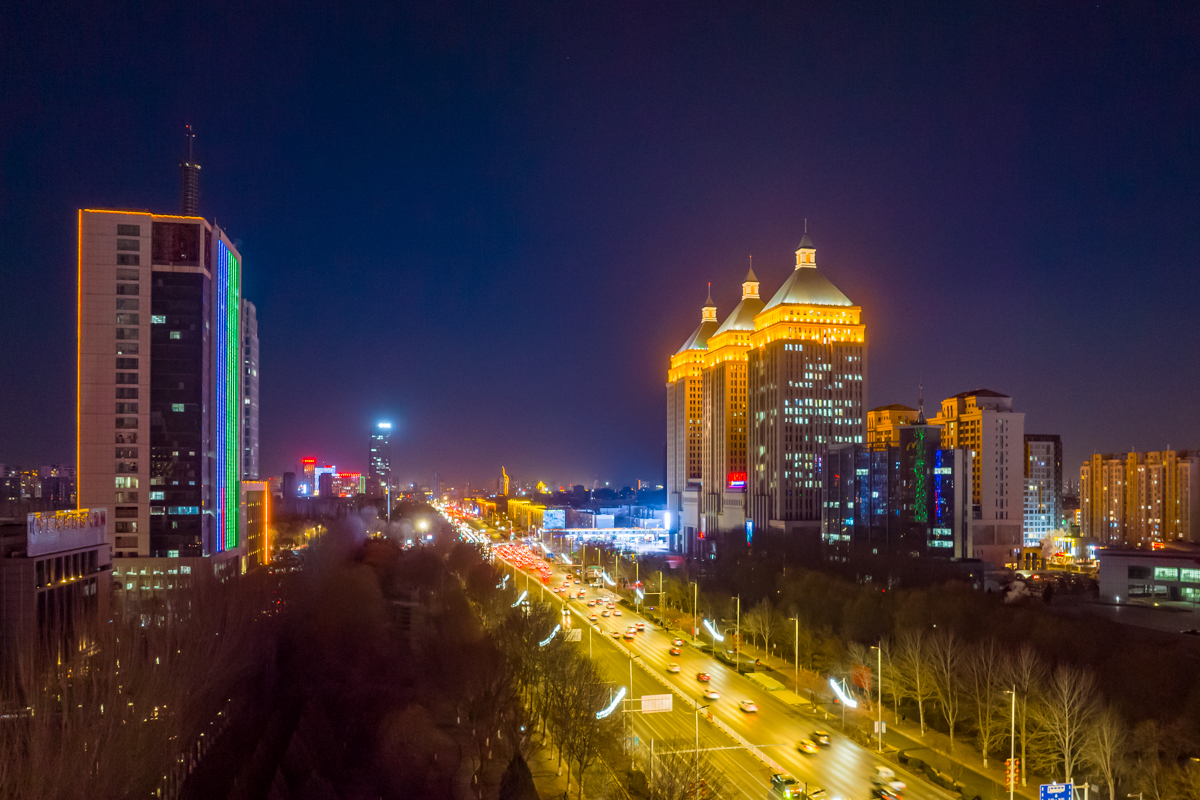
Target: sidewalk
x=933, y=748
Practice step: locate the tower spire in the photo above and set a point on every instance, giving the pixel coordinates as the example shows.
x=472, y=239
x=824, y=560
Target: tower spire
x=709, y=311
x=921, y=404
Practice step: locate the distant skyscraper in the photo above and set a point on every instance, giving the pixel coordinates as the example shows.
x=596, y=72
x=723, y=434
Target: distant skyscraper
x=249, y=391
x=1043, y=486
x=189, y=201
x=380, y=461
x=806, y=377
x=159, y=382
x=685, y=408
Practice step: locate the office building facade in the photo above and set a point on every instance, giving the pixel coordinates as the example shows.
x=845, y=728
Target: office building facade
x=807, y=374
x=250, y=404
x=379, y=461
x=723, y=417
x=159, y=400
x=1043, y=486
x=685, y=409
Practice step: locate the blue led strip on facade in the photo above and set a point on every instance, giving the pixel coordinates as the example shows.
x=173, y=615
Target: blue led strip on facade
x=219, y=432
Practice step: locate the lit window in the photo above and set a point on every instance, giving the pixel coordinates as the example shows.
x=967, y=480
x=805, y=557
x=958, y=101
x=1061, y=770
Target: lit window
x=177, y=406
x=174, y=334
x=158, y=319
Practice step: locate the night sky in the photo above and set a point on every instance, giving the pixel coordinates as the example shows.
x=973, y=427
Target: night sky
x=493, y=223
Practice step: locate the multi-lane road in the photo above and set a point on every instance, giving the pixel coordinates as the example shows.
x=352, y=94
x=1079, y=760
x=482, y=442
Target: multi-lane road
x=843, y=768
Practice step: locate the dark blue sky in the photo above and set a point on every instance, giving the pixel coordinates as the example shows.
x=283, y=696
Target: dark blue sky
x=493, y=222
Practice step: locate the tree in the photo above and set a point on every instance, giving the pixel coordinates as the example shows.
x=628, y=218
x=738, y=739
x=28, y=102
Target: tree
x=945, y=661
x=1105, y=746
x=1067, y=708
x=763, y=620
x=676, y=767
x=983, y=672
x=587, y=694
x=913, y=663
x=1026, y=673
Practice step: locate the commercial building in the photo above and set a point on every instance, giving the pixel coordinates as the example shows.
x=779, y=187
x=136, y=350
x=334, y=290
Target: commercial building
x=807, y=373
x=685, y=409
x=54, y=584
x=1140, y=498
x=379, y=461
x=1043, y=486
x=883, y=422
x=1150, y=575
x=908, y=496
x=723, y=416
x=258, y=518
x=160, y=410
x=249, y=391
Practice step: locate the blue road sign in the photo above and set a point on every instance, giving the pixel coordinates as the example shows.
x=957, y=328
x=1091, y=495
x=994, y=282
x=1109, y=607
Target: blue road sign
x=1056, y=791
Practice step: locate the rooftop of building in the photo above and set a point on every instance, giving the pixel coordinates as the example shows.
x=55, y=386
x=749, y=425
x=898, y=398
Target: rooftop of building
x=742, y=316
x=1179, y=551
x=979, y=393
x=699, y=338
x=808, y=287
x=894, y=407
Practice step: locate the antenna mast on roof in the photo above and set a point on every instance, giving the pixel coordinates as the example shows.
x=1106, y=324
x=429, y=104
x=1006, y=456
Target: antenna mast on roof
x=189, y=201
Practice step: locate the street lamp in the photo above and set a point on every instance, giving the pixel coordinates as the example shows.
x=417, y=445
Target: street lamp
x=695, y=595
x=1012, y=746
x=879, y=678
x=796, y=663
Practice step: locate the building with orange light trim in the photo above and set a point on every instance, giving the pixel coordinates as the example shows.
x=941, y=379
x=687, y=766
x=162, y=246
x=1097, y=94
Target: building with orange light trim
x=724, y=410
x=807, y=381
x=685, y=408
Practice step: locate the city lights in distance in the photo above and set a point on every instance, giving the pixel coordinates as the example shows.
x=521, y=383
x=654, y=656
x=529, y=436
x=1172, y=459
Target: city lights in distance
x=385, y=425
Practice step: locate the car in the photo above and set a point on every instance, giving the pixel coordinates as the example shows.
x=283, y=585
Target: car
x=807, y=746
x=672, y=667
x=593, y=617
x=641, y=626
x=603, y=613
x=629, y=634
x=702, y=676
x=783, y=786
x=712, y=694
x=886, y=792
x=616, y=634
x=677, y=642
x=581, y=593
x=617, y=613
x=820, y=737
x=591, y=603
x=675, y=651
x=577, y=582
x=749, y=706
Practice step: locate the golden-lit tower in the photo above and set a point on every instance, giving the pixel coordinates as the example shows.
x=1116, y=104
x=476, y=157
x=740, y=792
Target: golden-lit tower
x=684, y=410
x=723, y=420
x=807, y=382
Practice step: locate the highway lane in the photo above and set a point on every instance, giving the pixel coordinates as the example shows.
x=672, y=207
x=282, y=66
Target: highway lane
x=843, y=769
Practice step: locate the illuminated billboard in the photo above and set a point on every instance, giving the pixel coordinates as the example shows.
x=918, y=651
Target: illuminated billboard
x=735, y=482
x=554, y=518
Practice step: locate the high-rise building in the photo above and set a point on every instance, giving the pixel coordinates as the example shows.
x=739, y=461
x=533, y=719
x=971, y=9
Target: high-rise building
x=1141, y=498
x=806, y=378
x=883, y=422
x=258, y=519
x=249, y=390
x=160, y=411
x=906, y=496
x=309, y=483
x=685, y=405
x=379, y=463
x=723, y=440
x=1043, y=486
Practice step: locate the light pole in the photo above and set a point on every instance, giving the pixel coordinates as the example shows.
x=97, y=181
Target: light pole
x=1012, y=746
x=879, y=678
x=737, y=641
x=696, y=784
x=796, y=657
x=695, y=595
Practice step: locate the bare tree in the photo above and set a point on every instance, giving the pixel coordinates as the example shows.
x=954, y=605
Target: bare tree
x=1026, y=673
x=945, y=661
x=763, y=620
x=588, y=694
x=1067, y=707
x=1105, y=746
x=678, y=772
x=913, y=663
x=890, y=680
x=983, y=672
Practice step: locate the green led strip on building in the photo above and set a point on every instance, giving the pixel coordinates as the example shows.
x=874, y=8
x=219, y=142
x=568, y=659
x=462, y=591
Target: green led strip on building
x=233, y=402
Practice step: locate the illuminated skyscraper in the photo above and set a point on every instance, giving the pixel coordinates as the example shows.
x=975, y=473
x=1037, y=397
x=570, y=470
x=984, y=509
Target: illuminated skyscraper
x=380, y=461
x=723, y=417
x=807, y=376
x=159, y=382
x=684, y=410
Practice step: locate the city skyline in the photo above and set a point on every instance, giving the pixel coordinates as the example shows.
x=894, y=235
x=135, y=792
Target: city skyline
x=1008, y=225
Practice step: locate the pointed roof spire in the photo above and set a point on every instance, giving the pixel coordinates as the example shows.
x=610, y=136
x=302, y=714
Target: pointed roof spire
x=750, y=284
x=921, y=405
x=709, y=302
x=709, y=311
x=750, y=276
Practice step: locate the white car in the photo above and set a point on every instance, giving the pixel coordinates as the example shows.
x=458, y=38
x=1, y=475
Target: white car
x=672, y=667
x=748, y=706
